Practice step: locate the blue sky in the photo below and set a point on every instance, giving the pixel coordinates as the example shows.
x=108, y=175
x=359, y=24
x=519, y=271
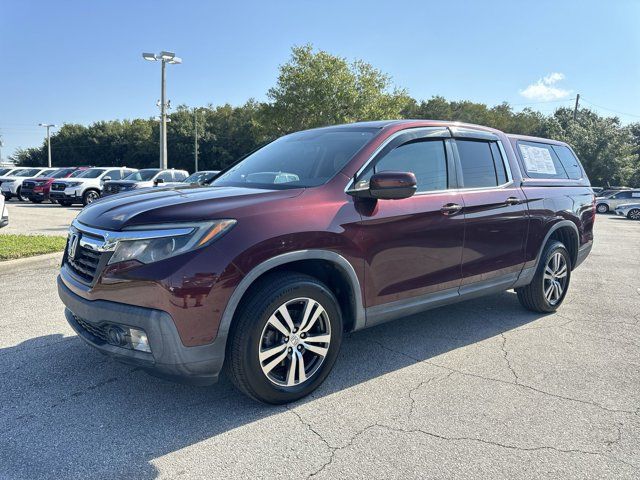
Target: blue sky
x=80, y=61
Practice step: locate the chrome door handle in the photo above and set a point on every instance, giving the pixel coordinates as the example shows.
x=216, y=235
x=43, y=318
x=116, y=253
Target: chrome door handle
x=451, y=208
x=512, y=201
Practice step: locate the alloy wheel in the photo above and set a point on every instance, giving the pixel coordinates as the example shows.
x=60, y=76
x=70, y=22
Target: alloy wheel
x=91, y=197
x=555, y=278
x=634, y=214
x=602, y=208
x=294, y=342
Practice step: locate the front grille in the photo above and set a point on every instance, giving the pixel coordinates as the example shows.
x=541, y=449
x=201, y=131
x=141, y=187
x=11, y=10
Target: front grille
x=97, y=331
x=85, y=264
x=58, y=186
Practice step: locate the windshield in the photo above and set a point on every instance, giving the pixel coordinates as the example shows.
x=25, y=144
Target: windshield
x=62, y=173
x=47, y=173
x=303, y=159
x=30, y=172
x=4, y=170
x=92, y=173
x=200, y=177
x=142, y=175
x=76, y=173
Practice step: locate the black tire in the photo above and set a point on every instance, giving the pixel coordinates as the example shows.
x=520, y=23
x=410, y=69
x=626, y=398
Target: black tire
x=532, y=297
x=602, y=208
x=19, y=195
x=36, y=200
x=633, y=214
x=90, y=196
x=7, y=196
x=64, y=203
x=247, y=335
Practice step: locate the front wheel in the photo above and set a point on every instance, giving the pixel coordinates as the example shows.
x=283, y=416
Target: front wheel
x=90, y=196
x=20, y=197
x=602, y=208
x=285, y=339
x=551, y=281
x=633, y=214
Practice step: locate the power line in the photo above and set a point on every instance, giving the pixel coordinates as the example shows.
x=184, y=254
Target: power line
x=610, y=109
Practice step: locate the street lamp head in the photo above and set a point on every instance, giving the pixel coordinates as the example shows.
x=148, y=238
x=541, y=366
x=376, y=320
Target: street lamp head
x=167, y=55
x=175, y=60
x=149, y=56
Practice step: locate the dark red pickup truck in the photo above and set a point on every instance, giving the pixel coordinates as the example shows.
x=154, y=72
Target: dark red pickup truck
x=318, y=233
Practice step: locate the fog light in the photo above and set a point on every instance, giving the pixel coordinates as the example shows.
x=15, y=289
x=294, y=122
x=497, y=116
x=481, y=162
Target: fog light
x=139, y=340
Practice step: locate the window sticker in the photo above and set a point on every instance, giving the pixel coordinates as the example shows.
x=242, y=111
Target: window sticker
x=635, y=194
x=537, y=160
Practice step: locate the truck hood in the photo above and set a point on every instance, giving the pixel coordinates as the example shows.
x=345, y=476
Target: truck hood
x=176, y=204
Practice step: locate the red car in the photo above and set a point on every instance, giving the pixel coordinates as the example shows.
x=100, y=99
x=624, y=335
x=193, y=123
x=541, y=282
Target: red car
x=319, y=233
x=37, y=189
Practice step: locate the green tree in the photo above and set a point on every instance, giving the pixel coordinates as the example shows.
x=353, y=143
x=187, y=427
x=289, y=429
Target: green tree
x=316, y=88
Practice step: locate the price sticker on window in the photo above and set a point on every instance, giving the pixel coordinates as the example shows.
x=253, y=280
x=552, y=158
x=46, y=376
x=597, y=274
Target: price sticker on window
x=537, y=160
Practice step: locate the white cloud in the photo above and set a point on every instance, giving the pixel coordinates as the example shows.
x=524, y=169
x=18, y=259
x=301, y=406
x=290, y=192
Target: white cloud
x=545, y=90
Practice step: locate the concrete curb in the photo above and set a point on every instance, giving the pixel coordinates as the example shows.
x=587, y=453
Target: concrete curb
x=37, y=261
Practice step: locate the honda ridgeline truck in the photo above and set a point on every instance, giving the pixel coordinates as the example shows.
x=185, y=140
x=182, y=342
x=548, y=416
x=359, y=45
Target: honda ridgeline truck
x=319, y=233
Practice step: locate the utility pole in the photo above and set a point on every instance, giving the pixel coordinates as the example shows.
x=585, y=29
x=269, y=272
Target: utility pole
x=575, y=109
x=195, y=120
x=164, y=58
x=48, y=126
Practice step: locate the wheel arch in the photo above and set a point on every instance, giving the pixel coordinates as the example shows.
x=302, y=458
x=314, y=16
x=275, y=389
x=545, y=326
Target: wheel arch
x=322, y=264
x=564, y=231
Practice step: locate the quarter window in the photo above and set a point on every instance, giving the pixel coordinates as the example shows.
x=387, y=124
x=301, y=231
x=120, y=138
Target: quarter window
x=426, y=159
x=479, y=168
x=541, y=161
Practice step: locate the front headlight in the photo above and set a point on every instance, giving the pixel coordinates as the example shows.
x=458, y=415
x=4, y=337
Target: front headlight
x=72, y=184
x=159, y=242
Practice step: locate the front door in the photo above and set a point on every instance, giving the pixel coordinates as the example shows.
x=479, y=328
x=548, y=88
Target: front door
x=413, y=246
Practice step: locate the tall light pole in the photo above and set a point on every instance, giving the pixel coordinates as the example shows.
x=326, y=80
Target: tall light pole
x=48, y=126
x=164, y=57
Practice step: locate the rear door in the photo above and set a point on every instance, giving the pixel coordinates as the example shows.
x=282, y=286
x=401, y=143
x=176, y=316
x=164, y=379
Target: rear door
x=496, y=218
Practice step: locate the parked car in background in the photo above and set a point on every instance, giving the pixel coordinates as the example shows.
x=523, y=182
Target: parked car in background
x=608, y=203
x=597, y=191
x=4, y=213
x=629, y=210
x=87, y=186
x=9, y=172
x=12, y=185
x=37, y=189
x=147, y=177
x=203, y=177
x=319, y=233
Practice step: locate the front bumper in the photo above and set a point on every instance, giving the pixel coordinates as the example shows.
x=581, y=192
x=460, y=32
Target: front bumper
x=9, y=188
x=169, y=358
x=69, y=194
x=619, y=211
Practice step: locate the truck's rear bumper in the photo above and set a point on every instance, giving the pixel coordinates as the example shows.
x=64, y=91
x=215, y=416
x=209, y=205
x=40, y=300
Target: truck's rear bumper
x=169, y=358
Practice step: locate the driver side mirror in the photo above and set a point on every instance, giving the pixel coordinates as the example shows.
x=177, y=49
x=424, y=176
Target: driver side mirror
x=388, y=186
x=106, y=179
x=158, y=181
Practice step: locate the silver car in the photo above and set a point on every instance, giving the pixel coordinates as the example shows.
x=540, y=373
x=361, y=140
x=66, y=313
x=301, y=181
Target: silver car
x=629, y=210
x=609, y=203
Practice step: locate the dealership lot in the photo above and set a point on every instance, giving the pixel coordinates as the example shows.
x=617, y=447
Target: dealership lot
x=481, y=389
x=39, y=219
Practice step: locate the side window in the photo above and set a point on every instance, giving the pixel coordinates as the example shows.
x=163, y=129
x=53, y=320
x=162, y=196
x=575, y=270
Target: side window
x=498, y=161
x=478, y=165
x=541, y=161
x=569, y=161
x=114, y=174
x=166, y=176
x=126, y=173
x=635, y=194
x=625, y=194
x=426, y=159
x=178, y=176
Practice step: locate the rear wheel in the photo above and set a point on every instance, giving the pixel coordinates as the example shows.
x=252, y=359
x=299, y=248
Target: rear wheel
x=602, y=208
x=551, y=281
x=286, y=338
x=634, y=214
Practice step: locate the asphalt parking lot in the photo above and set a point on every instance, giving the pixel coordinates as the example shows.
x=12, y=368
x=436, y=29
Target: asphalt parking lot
x=482, y=389
x=39, y=219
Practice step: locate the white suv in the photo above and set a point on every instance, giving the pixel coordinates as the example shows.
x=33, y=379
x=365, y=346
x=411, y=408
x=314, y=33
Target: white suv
x=86, y=187
x=4, y=214
x=12, y=184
